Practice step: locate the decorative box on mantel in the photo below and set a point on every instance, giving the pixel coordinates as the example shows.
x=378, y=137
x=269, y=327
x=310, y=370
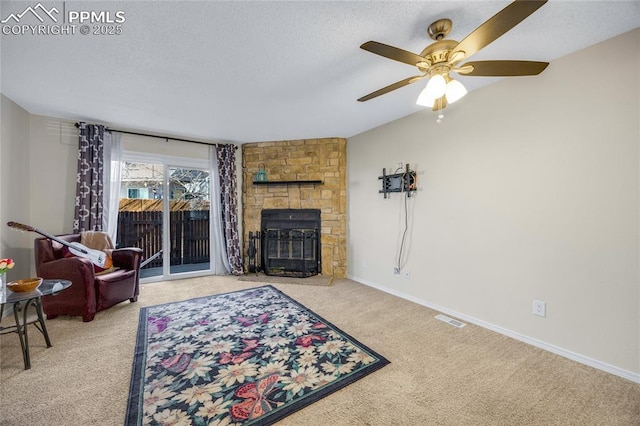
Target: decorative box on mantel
x=302, y=174
x=287, y=182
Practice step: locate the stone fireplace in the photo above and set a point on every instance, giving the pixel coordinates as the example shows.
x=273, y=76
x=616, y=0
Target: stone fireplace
x=301, y=175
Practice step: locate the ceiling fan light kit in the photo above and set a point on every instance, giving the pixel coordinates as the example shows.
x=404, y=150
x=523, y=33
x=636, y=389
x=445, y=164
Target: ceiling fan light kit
x=455, y=91
x=434, y=89
x=439, y=59
x=445, y=86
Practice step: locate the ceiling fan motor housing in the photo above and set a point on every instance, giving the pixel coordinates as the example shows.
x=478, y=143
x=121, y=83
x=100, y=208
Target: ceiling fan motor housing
x=437, y=53
x=439, y=29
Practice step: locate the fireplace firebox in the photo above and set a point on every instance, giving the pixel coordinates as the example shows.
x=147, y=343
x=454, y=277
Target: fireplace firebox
x=291, y=242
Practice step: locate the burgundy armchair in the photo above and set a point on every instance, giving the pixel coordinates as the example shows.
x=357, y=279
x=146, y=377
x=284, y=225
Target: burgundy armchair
x=89, y=293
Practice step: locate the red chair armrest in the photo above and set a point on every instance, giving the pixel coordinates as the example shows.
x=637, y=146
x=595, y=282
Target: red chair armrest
x=127, y=258
x=75, y=269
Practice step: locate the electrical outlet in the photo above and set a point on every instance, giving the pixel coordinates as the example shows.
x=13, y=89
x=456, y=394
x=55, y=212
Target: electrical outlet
x=539, y=308
x=405, y=274
x=396, y=270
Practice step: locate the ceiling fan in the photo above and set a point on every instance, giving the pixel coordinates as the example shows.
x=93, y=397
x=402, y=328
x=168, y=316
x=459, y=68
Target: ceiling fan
x=439, y=59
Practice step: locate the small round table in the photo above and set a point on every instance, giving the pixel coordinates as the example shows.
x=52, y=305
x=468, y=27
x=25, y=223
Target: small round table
x=21, y=302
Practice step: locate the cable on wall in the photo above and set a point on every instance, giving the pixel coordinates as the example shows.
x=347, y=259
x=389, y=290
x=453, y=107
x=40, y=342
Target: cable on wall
x=407, y=176
x=399, y=263
x=405, y=181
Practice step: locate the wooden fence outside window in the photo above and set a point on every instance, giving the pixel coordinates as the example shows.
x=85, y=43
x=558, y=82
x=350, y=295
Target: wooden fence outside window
x=188, y=229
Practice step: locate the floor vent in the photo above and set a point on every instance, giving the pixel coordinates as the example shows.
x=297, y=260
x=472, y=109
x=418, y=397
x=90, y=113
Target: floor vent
x=450, y=321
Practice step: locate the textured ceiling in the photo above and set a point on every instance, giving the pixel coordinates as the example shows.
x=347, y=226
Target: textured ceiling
x=258, y=71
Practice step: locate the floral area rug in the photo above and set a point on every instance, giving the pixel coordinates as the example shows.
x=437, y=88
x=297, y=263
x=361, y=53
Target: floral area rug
x=249, y=357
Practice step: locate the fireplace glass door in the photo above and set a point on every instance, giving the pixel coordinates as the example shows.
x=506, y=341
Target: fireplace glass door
x=291, y=242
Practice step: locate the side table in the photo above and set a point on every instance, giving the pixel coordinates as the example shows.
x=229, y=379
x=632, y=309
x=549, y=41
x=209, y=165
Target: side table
x=21, y=303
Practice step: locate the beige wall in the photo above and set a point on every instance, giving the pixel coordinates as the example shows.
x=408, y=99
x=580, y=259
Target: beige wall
x=155, y=146
x=527, y=190
x=53, y=159
x=15, y=177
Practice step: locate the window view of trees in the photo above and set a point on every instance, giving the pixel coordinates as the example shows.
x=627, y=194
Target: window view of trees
x=145, y=181
x=189, y=184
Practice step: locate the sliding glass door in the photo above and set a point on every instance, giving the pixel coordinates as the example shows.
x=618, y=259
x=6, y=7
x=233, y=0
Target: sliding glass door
x=164, y=210
x=140, y=215
x=189, y=220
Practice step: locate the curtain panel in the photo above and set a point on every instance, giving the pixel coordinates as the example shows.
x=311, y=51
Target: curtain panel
x=112, y=181
x=88, y=214
x=226, y=155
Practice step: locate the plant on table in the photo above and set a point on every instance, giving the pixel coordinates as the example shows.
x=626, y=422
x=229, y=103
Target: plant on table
x=5, y=265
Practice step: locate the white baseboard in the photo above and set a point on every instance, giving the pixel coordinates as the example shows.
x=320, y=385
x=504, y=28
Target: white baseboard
x=634, y=377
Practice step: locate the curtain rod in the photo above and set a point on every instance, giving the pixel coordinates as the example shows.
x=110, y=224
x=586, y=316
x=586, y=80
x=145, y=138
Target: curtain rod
x=166, y=138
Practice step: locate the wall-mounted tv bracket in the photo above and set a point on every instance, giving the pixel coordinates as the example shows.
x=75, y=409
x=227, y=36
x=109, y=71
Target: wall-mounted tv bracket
x=398, y=182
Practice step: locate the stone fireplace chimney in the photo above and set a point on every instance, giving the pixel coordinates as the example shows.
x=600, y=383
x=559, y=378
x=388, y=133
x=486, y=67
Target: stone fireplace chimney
x=301, y=174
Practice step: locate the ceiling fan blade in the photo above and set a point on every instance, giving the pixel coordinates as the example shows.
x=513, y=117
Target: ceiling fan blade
x=392, y=52
x=497, y=25
x=502, y=68
x=392, y=87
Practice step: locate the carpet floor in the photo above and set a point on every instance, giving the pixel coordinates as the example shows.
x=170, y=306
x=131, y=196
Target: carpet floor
x=438, y=375
x=325, y=280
